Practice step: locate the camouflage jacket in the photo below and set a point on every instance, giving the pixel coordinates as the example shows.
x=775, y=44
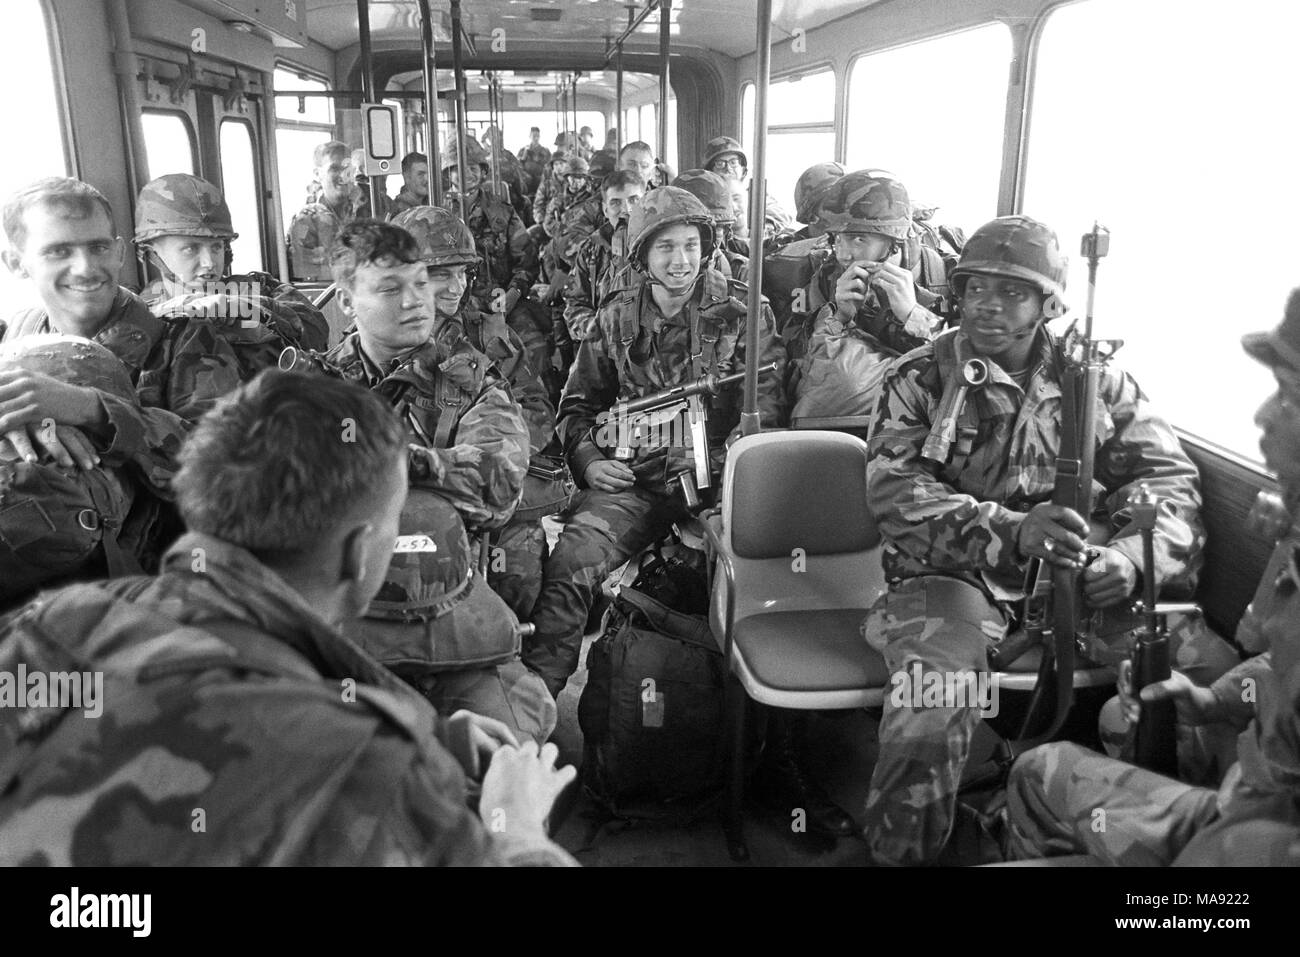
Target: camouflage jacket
x=179, y=368
x=237, y=727
x=311, y=233
x=534, y=160
x=962, y=518
x=291, y=313
x=633, y=350
x=404, y=200
x=489, y=334
x=560, y=204
x=546, y=190
x=595, y=265
x=471, y=443
x=509, y=254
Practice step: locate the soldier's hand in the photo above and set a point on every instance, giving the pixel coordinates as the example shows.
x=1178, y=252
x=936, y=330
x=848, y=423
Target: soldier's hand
x=1109, y=578
x=510, y=300
x=28, y=397
x=607, y=475
x=851, y=291
x=481, y=736
x=520, y=788
x=1053, y=533
x=897, y=284
x=1193, y=704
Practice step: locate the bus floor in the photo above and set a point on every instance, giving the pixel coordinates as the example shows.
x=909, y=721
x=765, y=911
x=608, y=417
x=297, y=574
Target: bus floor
x=842, y=752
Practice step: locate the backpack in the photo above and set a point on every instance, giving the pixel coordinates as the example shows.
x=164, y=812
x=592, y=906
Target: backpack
x=652, y=710
x=257, y=328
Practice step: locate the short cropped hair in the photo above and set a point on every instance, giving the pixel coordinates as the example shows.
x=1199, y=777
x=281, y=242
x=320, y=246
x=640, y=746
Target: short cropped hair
x=636, y=146
x=328, y=150
x=366, y=241
x=276, y=464
x=410, y=159
x=534, y=129
x=622, y=179
x=71, y=197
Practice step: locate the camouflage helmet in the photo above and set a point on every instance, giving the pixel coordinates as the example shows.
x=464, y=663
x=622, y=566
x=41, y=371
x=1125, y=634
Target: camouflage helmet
x=474, y=155
x=433, y=603
x=661, y=208
x=443, y=239
x=812, y=186
x=181, y=205
x=719, y=147
x=563, y=139
x=867, y=201
x=576, y=166
x=602, y=164
x=69, y=359
x=711, y=190
x=1017, y=247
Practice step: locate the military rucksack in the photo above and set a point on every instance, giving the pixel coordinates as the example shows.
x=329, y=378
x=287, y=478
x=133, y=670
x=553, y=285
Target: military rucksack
x=56, y=523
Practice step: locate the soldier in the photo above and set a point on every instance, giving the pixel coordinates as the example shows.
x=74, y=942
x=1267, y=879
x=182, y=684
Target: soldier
x=576, y=187
x=447, y=249
x=509, y=258
x=731, y=256
x=552, y=183
x=313, y=228
x=415, y=184
x=183, y=228
x=470, y=441
x=535, y=158
x=640, y=158
x=723, y=155
x=62, y=237
x=223, y=677
x=1058, y=792
x=684, y=320
x=960, y=523
x=809, y=191
x=789, y=269
x=585, y=140
x=602, y=254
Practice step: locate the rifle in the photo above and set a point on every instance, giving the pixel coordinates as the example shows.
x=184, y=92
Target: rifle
x=1054, y=597
x=1155, y=745
x=632, y=421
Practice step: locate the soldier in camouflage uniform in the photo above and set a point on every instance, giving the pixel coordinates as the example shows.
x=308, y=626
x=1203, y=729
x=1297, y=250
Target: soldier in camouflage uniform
x=447, y=248
x=415, y=184
x=575, y=188
x=682, y=321
x=723, y=155
x=62, y=237
x=237, y=724
x=183, y=226
x=839, y=346
x=552, y=183
x=313, y=228
x=536, y=160
x=602, y=255
x=469, y=439
x=1064, y=799
x=509, y=256
x=961, y=517
x=791, y=266
x=730, y=255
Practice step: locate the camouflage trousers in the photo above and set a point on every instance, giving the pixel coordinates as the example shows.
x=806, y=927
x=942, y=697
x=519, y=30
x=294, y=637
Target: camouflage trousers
x=1065, y=799
x=946, y=625
x=601, y=531
x=508, y=692
x=515, y=565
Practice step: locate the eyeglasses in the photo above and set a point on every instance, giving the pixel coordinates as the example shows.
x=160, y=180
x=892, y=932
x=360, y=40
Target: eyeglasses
x=731, y=162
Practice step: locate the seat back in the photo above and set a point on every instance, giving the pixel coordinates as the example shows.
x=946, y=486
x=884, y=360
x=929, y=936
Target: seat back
x=797, y=524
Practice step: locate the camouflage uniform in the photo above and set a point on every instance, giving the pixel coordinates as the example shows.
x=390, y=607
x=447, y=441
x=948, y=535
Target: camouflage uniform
x=1064, y=799
x=404, y=200
x=835, y=368
x=179, y=368
x=634, y=351
x=565, y=198
x=950, y=551
x=311, y=233
x=598, y=260
x=286, y=310
x=550, y=185
x=730, y=255
x=227, y=700
x=535, y=160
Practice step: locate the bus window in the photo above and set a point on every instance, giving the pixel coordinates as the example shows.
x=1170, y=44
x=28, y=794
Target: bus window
x=32, y=109
x=747, y=119
x=800, y=129
x=239, y=178
x=1175, y=138
x=297, y=134
x=946, y=147
x=516, y=123
x=168, y=143
x=649, y=125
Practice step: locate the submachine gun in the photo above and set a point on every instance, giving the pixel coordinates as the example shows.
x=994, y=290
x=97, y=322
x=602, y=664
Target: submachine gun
x=633, y=419
x=1054, y=596
x=1155, y=745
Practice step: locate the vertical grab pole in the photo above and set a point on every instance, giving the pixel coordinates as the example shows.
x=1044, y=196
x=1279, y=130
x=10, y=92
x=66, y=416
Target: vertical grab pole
x=749, y=420
x=462, y=99
x=367, y=85
x=430, y=72
x=492, y=125
x=665, y=33
x=618, y=85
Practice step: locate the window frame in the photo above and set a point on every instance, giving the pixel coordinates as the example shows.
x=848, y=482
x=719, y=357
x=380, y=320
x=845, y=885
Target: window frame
x=259, y=186
x=190, y=131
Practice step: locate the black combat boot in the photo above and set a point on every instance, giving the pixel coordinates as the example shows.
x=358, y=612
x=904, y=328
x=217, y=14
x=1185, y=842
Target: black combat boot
x=782, y=784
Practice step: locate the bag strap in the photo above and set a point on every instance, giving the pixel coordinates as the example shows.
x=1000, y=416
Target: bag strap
x=688, y=628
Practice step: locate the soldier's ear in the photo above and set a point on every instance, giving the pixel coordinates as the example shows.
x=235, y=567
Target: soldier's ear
x=119, y=252
x=354, y=560
x=13, y=259
x=344, y=297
